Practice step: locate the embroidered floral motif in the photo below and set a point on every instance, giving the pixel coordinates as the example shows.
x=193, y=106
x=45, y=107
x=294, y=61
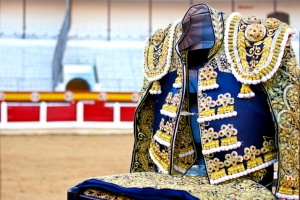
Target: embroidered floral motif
x=264, y=53
x=170, y=108
x=160, y=157
x=226, y=109
x=211, y=142
x=252, y=19
x=208, y=78
x=216, y=168
x=184, y=150
x=206, y=112
x=207, y=138
x=158, y=53
x=164, y=134
x=197, y=186
x=283, y=90
x=143, y=91
x=178, y=80
x=222, y=63
x=253, y=156
x=233, y=165
x=143, y=131
x=272, y=23
x=233, y=160
x=103, y=194
x=218, y=23
x=255, y=32
x=269, y=150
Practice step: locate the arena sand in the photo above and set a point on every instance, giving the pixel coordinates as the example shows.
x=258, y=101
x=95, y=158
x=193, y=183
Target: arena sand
x=35, y=167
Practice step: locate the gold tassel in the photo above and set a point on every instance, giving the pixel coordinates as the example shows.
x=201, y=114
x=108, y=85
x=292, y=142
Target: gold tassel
x=246, y=92
x=155, y=88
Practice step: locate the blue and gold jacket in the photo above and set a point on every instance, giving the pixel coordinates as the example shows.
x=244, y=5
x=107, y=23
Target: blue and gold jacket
x=246, y=96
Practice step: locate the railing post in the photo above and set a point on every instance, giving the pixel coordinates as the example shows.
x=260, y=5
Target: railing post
x=79, y=112
x=43, y=112
x=117, y=112
x=3, y=112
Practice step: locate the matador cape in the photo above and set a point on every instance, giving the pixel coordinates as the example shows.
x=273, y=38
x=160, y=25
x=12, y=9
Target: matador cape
x=218, y=107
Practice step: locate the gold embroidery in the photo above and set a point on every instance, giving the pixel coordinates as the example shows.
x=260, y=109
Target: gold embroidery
x=264, y=53
x=158, y=52
x=197, y=186
x=230, y=133
x=226, y=108
x=216, y=168
x=252, y=155
x=283, y=90
x=204, y=107
x=184, y=149
x=232, y=160
x=218, y=25
x=144, y=118
x=103, y=194
x=211, y=142
x=272, y=23
x=246, y=92
x=165, y=132
x=208, y=78
x=160, y=157
x=233, y=165
x=255, y=32
x=269, y=150
x=178, y=80
x=143, y=90
x=170, y=108
x=155, y=88
x=207, y=138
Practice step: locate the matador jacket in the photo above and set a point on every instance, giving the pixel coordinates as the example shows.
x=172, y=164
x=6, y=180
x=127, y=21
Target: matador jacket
x=245, y=85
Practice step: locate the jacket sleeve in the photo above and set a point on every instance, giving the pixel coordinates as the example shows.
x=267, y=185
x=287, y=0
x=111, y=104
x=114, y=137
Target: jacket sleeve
x=284, y=96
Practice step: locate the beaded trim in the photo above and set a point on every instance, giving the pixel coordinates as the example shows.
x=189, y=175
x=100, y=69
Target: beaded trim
x=271, y=59
x=163, y=68
x=285, y=196
x=211, y=140
x=243, y=173
x=207, y=112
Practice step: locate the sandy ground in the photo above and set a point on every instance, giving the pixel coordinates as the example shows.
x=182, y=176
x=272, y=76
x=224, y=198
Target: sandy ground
x=35, y=167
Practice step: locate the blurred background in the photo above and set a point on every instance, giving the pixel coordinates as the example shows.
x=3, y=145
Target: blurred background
x=70, y=75
x=78, y=57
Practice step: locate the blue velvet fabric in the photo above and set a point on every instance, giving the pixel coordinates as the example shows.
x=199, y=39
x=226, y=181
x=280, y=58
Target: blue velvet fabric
x=136, y=193
x=167, y=86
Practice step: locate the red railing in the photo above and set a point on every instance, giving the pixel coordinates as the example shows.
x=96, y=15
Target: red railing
x=39, y=115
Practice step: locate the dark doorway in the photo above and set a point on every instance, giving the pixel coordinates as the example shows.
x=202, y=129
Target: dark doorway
x=77, y=84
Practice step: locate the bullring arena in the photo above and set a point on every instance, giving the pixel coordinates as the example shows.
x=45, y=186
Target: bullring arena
x=45, y=166
x=70, y=76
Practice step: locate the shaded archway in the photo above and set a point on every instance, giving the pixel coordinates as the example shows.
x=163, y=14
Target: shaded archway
x=282, y=16
x=77, y=84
